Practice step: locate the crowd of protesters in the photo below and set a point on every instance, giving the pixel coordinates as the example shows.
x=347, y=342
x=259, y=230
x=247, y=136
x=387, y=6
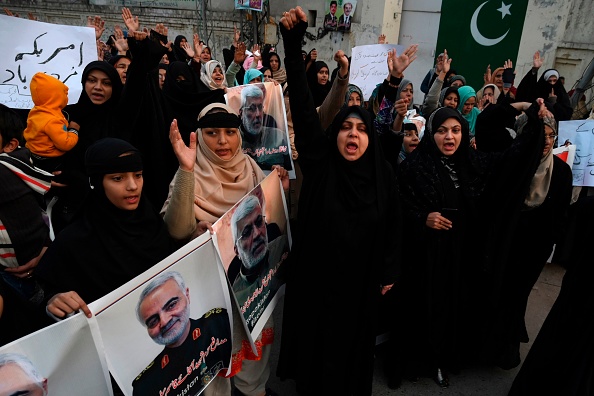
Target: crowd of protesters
x=433, y=217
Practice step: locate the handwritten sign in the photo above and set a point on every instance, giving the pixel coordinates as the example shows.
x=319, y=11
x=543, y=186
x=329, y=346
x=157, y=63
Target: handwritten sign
x=369, y=65
x=31, y=46
x=581, y=134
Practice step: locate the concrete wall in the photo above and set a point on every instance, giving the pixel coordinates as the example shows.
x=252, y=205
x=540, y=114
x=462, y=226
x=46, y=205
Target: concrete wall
x=561, y=30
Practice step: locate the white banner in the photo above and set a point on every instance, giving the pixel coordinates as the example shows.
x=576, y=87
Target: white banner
x=369, y=65
x=62, y=359
x=581, y=134
x=29, y=47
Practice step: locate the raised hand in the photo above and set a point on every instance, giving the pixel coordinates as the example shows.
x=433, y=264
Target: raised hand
x=447, y=62
x=543, y=111
x=381, y=39
x=508, y=64
x=343, y=63
x=188, y=48
x=120, y=42
x=256, y=52
x=292, y=17
x=487, y=75
x=130, y=20
x=98, y=24
x=137, y=35
x=197, y=45
x=536, y=60
x=161, y=29
x=401, y=107
x=101, y=48
x=240, y=55
x=402, y=61
x=185, y=155
x=236, y=35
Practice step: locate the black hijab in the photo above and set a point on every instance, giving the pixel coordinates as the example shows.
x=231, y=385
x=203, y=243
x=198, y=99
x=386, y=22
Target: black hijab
x=96, y=122
x=318, y=90
x=107, y=246
x=353, y=178
x=179, y=54
x=184, y=99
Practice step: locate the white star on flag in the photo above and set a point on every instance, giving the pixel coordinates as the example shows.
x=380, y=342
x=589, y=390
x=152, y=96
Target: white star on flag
x=504, y=10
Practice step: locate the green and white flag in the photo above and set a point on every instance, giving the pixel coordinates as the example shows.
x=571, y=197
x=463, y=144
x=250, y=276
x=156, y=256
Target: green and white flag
x=477, y=33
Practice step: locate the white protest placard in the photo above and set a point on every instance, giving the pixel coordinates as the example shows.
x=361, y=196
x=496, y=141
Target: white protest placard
x=369, y=65
x=581, y=134
x=30, y=46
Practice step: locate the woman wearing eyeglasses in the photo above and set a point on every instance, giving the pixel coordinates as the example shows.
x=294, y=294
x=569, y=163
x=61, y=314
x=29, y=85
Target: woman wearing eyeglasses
x=541, y=224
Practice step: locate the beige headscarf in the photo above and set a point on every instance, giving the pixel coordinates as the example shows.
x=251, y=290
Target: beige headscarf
x=220, y=184
x=539, y=186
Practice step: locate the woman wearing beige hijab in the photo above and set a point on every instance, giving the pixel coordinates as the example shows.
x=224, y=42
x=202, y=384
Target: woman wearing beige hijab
x=540, y=224
x=213, y=175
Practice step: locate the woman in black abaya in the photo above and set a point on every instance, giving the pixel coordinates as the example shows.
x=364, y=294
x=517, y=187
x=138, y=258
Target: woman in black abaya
x=119, y=236
x=345, y=253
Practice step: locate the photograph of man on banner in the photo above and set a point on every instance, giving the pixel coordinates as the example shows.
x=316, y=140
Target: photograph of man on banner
x=253, y=241
x=339, y=15
x=263, y=128
x=172, y=322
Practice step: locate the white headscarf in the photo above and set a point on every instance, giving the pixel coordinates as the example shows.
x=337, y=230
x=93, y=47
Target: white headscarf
x=206, y=74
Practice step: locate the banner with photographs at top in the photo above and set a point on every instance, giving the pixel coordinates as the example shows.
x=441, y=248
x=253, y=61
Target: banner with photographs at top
x=253, y=240
x=61, y=359
x=264, y=129
x=169, y=328
x=339, y=15
x=178, y=4
x=255, y=5
x=369, y=65
x=30, y=46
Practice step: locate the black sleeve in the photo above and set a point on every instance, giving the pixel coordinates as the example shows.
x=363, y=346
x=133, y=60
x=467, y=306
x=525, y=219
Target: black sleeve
x=309, y=135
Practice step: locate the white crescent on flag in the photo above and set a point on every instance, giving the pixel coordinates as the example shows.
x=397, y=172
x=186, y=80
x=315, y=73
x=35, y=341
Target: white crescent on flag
x=476, y=34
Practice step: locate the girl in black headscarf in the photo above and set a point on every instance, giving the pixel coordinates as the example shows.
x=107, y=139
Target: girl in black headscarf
x=185, y=96
x=179, y=54
x=119, y=236
x=345, y=252
x=318, y=79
